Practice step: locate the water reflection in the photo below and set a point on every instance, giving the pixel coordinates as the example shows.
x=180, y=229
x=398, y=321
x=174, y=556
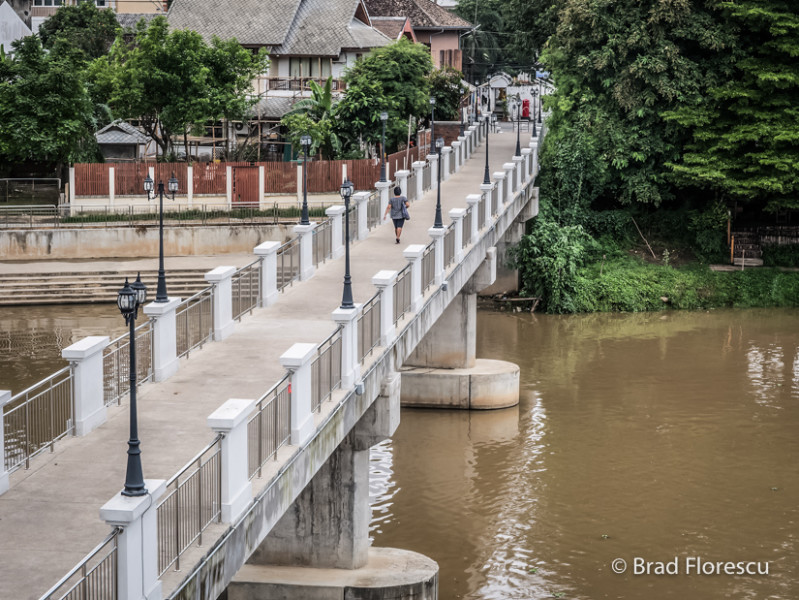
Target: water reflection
x=655, y=435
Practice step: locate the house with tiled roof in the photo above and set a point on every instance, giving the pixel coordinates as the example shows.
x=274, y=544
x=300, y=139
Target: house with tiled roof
x=432, y=25
x=394, y=27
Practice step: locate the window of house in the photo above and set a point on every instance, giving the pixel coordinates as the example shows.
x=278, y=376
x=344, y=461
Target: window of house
x=310, y=67
x=47, y=2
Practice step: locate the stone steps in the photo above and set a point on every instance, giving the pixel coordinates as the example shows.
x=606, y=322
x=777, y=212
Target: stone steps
x=92, y=286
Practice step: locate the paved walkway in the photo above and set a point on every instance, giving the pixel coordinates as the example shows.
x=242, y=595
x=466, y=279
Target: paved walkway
x=49, y=518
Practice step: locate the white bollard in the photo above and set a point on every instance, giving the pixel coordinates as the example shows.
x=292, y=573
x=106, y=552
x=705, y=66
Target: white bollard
x=86, y=358
x=230, y=419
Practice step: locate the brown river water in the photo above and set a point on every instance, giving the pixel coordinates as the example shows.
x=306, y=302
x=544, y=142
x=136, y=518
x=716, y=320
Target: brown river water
x=662, y=438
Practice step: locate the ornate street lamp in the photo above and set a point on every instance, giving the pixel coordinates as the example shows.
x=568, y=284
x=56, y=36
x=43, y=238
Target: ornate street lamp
x=346, y=297
x=160, y=292
x=432, y=120
x=384, y=118
x=129, y=298
x=486, y=174
x=437, y=223
x=305, y=142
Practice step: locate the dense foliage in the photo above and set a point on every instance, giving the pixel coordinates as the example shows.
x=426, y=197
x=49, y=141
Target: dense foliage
x=83, y=26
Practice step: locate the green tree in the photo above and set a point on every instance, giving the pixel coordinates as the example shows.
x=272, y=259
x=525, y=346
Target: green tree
x=446, y=88
x=45, y=110
x=174, y=82
x=392, y=78
x=314, y=116
x=84, y=26
x=745, y=133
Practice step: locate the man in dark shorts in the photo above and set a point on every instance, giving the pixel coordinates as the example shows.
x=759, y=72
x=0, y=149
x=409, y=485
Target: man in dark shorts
x=398, y=215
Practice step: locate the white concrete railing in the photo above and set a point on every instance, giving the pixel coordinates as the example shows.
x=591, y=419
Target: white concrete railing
x=241, y=453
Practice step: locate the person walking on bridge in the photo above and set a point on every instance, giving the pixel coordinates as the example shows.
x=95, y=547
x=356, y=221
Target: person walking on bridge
x=398, y=206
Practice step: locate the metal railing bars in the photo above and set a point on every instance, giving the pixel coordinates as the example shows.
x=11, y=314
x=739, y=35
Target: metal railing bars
x=326, y=369
x=467, y=227
x=195, y=321
x=37, y=417
x=98, y=581
x=268, y=430
x=369, y=327
x=449, y=245
x=428, y=266
x=189, y=505
x=246, y=283
x=288, y=263
x=402, y=293
x=116, y=363
x=322, y=242
x=373, y=216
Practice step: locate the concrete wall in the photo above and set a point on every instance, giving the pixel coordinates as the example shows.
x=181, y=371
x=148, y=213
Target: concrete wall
x=137, y=241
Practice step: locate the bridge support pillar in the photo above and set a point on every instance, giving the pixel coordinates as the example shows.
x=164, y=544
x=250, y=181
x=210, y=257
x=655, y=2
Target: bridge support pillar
x=297, y=360
x=402, y=181
x=382, y=188
x=230, y=419
x=305, y=233
x=267, y=252
x=419, y=166
x=5, y=397
x=86, y=358
x=137, y=543
x=221, y=279
x=165, y=337
x=446, y=156
x=361, y=200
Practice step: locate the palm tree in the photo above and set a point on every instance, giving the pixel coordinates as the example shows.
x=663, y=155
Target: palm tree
x=319, y=108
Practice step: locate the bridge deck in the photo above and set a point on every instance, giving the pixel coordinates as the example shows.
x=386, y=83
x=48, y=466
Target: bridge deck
x=49, y=519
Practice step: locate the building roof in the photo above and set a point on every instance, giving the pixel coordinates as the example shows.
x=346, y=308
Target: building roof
x=423, y=14
x=129, y=20
x=288, y=27
x=272, y=107
x=391, y=27
x=120, y=132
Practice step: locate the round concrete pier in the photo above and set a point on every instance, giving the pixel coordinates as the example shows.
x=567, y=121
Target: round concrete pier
x=389, y=573
x=488, y=384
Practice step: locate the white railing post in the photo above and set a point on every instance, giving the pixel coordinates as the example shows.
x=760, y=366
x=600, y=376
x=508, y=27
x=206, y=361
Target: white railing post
x=111, y=186
x=413, y=254
x=534, y=148
x=419, y=166
x=509, y=167
x=137, y=543
x=457, y=149
x=500, y=178
x=229, y=186
x=305, y=233
x=336, y=215
x=384, y=282
x=72, y=200
x=5, y=398
x=189, y=184
x=165, y=337
x=446, y=156
x=438, y=233
x=519, y=162
x=221, y=279
x=487, y=188
x=230, y=419
x=457, y=215
x=526, y=173
x=382, y=188
x=86, y=358
x=402, y=181
x=350, y=367
x=268, y=254
x=433, y=160
x=300, y=182
x=361, y=200
x=261, y=186
x=297, y=360
x=473, y=200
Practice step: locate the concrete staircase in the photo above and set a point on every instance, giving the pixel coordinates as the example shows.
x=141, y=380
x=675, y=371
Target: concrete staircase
x=92, y=286
x=747, y=251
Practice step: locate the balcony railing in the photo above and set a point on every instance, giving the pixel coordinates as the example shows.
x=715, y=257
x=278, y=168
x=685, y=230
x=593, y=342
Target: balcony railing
x=295, y=84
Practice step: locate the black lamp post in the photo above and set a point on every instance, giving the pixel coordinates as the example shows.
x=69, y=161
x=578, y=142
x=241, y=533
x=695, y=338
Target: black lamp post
x=438, y=223
x=518, y=126
x=432, y=121
x=129, y=298
x=384, y=118
x=460, y=109
x=305, y=142
x=535, y=133
x=540, y=99
x=160, y=292
x=346, y=297
x=486, y=175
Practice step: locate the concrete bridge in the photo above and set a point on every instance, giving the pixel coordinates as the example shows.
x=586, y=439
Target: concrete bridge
x=264, y=430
